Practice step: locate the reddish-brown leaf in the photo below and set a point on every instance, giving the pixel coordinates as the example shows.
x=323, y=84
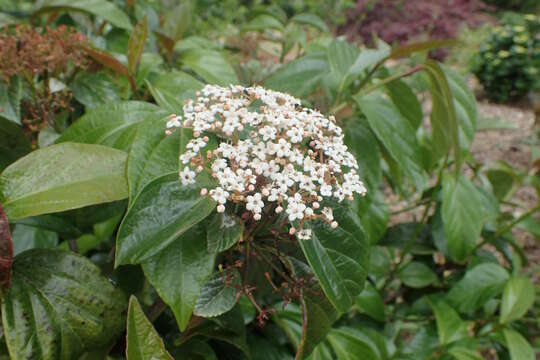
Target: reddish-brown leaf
x=110, y=62
x=6, y=252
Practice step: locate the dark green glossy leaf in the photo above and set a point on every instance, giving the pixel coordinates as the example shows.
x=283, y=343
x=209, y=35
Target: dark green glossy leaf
x=13, y=143
x=518, y=297
x=518, y=346
x=223, y=232
x=162, y=211
x=62, y=177
x=152, y=154
x=370, y=302
x=211, y=65
x=417, y=275
x=299, y=77
x=137, y=40
x=479, y=284
x=187, y=255
x=339, y=257
x=341, y=56
x=396, y=134
x=218, y=295
x=462, y=214
x=29, y=237
x=349, y=344
x=59, y=306
x=363, y=144
x=10, y=99
x=113, y=124
x=102, y=8
x=374, y=215
x=94, y=89
x=143, y=341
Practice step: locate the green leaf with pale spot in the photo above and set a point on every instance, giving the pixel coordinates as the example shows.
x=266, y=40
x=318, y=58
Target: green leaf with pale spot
x=59, y=305
x=224, y=231
x=162, y=211
x=62, y=177
x=218, y=295
x=189, y=257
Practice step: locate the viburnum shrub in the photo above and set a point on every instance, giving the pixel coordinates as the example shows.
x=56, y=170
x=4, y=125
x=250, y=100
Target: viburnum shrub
x=508, y=63
x=315, y=210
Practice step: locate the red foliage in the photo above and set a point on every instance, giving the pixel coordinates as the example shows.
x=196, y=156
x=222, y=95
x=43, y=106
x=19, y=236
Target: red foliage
x=400, y=20
x=6, y=252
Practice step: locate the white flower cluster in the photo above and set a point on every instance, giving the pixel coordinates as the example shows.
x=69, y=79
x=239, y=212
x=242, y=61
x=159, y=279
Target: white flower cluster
x=273, y=155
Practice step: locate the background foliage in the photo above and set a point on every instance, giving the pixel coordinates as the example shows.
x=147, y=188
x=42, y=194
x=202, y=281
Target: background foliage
x=93, y=213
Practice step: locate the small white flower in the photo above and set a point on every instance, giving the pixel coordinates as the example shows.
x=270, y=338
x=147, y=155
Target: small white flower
x=304, y=234
x=187, y=176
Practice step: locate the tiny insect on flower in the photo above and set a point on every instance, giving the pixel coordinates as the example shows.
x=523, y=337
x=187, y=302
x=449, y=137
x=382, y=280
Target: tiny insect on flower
x=277, y=156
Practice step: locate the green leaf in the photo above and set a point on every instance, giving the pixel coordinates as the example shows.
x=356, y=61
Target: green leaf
x=218, y=295
x=59, y=306
x=29, y=237
x=350, y=344
x=179, y=272
x=374, y=215
x=299, y=77
x=143, y=341
x=396, y=134
x=137, y=40
x=338, y=257
x=211, y=65
x=263, y=22
x=317, y=315
x=13, y=143
x=518, y=297
x=367, y=59
x=465, y=107
x=370, y=302
x=518, y=346
x=341, y=56
x=479, y=284
x=223, y=232
x=177, y=21
x=152, y=154
x=310, y=19
x=170, y=90
x=162, y=211
x=10, y=99
x=102, y=8
x=462, y=214
x=113, y=125
x=406, y=102
x=417, y=275
x=94, y=89
x=408, y=49
x=449, y=325
x=461, y=353
x=62, y=177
